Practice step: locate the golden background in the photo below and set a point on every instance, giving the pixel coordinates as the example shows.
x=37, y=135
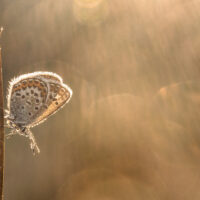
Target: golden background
x=131, y=130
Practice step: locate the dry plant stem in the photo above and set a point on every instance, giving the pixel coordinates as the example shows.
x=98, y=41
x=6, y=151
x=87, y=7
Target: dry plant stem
x=1, y=132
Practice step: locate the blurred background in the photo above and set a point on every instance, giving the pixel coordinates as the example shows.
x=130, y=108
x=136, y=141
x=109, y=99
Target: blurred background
x=131, y=129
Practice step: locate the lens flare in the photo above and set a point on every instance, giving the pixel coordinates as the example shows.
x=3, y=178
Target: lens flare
x=90, y=12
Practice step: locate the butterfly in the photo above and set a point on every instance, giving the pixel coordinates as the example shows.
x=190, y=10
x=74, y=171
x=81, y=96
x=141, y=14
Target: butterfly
x=31, y=99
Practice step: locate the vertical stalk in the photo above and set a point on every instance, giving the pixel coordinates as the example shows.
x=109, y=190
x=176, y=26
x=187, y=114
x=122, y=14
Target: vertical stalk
x=1, y=128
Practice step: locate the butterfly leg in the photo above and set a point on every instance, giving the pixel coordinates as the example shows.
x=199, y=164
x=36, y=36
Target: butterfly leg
x=9, y=135
x=15, y=132
x=33, y=145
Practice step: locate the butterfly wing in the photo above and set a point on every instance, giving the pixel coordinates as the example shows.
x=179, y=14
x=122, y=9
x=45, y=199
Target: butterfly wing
x=48, y=76
x=58, y=96
x=25, y=100
x=35, y=96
